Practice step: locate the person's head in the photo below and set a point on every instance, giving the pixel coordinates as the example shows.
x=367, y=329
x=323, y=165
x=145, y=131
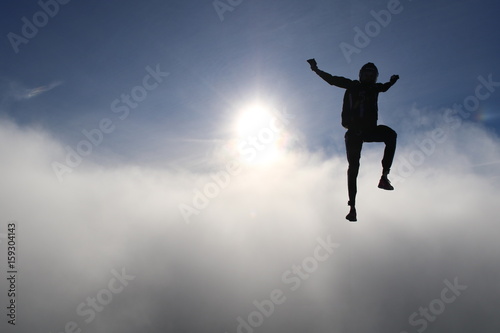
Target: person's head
x=368, y=73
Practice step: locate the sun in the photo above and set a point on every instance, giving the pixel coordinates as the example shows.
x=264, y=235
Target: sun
x=261, y=134
x=252, y=119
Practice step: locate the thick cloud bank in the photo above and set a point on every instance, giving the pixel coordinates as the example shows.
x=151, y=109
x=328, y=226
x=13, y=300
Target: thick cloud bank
x=267, y=249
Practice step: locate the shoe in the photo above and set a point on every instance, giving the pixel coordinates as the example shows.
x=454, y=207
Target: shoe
x=352, y=215
x=385, y=184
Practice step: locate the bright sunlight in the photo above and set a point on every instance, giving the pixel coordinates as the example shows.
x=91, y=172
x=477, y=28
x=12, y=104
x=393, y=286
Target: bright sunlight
x=262, y=134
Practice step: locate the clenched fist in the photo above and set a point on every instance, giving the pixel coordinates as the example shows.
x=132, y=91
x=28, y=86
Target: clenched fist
x=394, y=78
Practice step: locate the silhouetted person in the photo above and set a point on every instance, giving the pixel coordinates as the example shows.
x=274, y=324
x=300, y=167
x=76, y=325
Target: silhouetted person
x=359, y=117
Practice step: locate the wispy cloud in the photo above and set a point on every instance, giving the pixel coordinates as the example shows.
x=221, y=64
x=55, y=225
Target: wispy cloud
x=13, y=90
x=30, y=93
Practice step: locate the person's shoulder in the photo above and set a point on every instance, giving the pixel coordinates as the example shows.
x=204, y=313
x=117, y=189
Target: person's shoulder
x=354, y=85
x=379, y=86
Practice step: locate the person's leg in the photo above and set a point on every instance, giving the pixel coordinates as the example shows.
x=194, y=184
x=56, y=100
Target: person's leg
x=389, y=137
x=385, y=134
x=353, y=143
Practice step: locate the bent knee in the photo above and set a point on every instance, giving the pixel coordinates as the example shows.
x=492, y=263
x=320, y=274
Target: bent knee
x=393, y=134
x=390, y=134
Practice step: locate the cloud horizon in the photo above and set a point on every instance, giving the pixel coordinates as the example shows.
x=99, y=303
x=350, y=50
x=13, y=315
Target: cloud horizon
x=257, y=241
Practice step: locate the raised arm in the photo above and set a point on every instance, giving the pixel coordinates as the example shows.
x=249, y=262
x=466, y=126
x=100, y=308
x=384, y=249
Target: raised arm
x=383, y=87
x=337, y=81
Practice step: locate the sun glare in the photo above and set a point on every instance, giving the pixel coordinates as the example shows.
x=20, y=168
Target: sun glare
x=261, y=135
x=252, y=119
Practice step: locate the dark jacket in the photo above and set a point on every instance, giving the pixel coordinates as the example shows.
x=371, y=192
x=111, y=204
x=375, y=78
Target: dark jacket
x=360, y=107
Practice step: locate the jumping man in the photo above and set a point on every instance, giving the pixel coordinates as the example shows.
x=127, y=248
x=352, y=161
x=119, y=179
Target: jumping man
x=359, y=117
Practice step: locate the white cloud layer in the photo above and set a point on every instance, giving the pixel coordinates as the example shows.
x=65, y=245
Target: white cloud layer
x=257, y=238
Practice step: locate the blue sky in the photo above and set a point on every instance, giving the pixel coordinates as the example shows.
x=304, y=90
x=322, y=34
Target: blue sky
x=194, y=68
x=100, y=50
